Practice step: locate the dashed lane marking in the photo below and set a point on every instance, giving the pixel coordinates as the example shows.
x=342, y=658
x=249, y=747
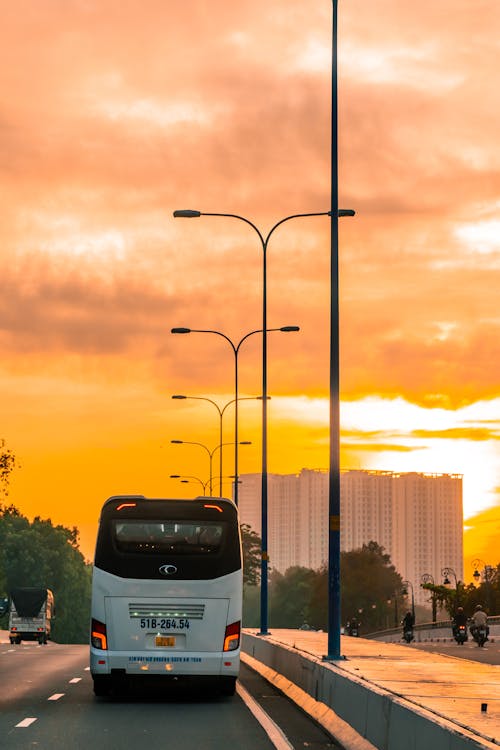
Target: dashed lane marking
x=55, y=697
x=75, y=679
x=26, y=722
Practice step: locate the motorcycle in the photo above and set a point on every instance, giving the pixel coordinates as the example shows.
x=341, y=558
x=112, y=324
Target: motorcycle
x=408, y=635
x=480, y=635
x=460, y=634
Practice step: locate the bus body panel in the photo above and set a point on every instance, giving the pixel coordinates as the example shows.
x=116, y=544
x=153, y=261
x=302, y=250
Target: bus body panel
x=165, y=626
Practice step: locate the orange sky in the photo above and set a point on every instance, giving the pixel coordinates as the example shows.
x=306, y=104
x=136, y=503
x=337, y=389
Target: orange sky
x=114, y=114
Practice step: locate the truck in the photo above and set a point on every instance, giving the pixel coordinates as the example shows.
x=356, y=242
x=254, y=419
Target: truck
x=31, y=613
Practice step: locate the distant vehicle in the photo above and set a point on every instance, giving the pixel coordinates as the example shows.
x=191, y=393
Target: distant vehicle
x=460, y=634
x=408, y=635
x=166, y=593
x=31, y=613
x=480, y=634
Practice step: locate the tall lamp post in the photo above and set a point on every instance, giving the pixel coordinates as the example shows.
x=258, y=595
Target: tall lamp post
x=409, y=585
x=179, y=396
x=427, y=579
x=210, y=453
x=478, y=564
x=186, y=478
x=236, y=350
x=446, y=573
x=264, y=240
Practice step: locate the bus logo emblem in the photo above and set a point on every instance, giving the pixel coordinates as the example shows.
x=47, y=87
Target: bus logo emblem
x=167, y=570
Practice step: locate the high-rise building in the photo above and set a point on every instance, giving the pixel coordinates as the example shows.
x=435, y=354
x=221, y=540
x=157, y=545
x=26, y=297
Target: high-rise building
x=416, y=517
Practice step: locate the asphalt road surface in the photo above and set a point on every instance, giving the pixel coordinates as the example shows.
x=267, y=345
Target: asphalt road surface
x=47, y=701
x=488, y=654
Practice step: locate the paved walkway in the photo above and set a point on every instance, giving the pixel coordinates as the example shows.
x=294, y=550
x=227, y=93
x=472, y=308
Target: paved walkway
x=450, y=687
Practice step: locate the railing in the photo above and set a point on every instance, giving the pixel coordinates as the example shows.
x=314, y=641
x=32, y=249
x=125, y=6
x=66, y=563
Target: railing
x=423, y=626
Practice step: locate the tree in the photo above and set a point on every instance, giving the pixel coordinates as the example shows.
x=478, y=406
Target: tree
x=40, y=554
x=251, y=544
x=290, y=597
x=369, y=582
x=7, y=466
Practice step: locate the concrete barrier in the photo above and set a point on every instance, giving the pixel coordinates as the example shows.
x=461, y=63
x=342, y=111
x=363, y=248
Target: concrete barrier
x=387, y=721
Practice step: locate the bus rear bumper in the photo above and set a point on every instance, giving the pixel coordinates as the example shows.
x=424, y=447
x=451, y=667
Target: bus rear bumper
x=142, y=664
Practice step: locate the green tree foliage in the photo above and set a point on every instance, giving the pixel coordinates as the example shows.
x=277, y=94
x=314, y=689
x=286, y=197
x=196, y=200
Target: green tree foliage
x=7, y=466
x=290, y=601
x=40, y=554
x=251, y=545
x=369, y=582
x=468, y=596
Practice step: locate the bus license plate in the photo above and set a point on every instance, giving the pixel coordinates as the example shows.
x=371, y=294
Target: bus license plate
x=165, y=641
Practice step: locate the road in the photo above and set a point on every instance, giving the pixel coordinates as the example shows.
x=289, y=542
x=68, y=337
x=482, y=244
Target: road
x=46, y=701
x=488, y=654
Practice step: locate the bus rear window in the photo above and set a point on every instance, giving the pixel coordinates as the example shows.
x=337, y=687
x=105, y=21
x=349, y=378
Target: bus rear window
x=174, y=537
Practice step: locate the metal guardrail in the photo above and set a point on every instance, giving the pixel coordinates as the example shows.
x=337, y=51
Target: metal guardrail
x=423, y=626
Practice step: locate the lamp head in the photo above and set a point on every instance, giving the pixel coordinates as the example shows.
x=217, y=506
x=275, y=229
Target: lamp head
x=180, y=330
x=178, y=395
x=186, y=213
x=287, y=329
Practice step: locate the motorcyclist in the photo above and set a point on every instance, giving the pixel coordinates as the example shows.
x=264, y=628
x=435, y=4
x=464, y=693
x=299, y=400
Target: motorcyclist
x=479, y=620
x=352, y=626
x=460, y=618
x=408, y=622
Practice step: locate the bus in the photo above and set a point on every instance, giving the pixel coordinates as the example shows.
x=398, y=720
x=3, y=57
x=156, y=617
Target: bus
x=166, y=593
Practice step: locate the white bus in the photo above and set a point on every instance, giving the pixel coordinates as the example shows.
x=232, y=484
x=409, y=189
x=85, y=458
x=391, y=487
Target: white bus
x=166, y=592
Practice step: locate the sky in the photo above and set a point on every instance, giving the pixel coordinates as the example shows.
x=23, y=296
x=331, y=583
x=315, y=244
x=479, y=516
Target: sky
x=114, y=114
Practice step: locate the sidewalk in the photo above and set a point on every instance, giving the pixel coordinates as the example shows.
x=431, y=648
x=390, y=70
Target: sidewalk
x=448, y=687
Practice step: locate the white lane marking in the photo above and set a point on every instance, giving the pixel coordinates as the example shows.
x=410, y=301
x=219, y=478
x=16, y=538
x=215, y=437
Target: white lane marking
x=26, y=722
x=272, y=730
x=87, y=669
x=55, y=697
x=75, y=679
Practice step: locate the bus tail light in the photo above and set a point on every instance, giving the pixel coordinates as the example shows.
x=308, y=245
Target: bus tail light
x=98, y=637
x=232, y=637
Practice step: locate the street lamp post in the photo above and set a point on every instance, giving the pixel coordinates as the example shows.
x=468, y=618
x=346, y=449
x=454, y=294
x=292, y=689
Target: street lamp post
x=427, y=578
x=186, y=478
x=264, y=240
x=446, y=573
x=236, y=350
x=409, y=585
x=210, y=453
x=179, y=396
x=478, y=564
x=202, y=398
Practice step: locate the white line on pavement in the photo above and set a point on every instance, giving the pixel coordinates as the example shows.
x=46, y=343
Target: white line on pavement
x=75, y=679
x=55, y=697
x=26, y=722
x=272, y=730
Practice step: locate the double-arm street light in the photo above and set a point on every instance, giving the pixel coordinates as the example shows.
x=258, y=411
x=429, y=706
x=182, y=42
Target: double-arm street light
x=264, y=240
x=210, y=453
x=187, y=478
x=221, y=415
x=236, y=349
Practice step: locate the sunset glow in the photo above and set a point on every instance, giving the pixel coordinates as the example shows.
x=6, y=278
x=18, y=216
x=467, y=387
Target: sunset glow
x=114, y=115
